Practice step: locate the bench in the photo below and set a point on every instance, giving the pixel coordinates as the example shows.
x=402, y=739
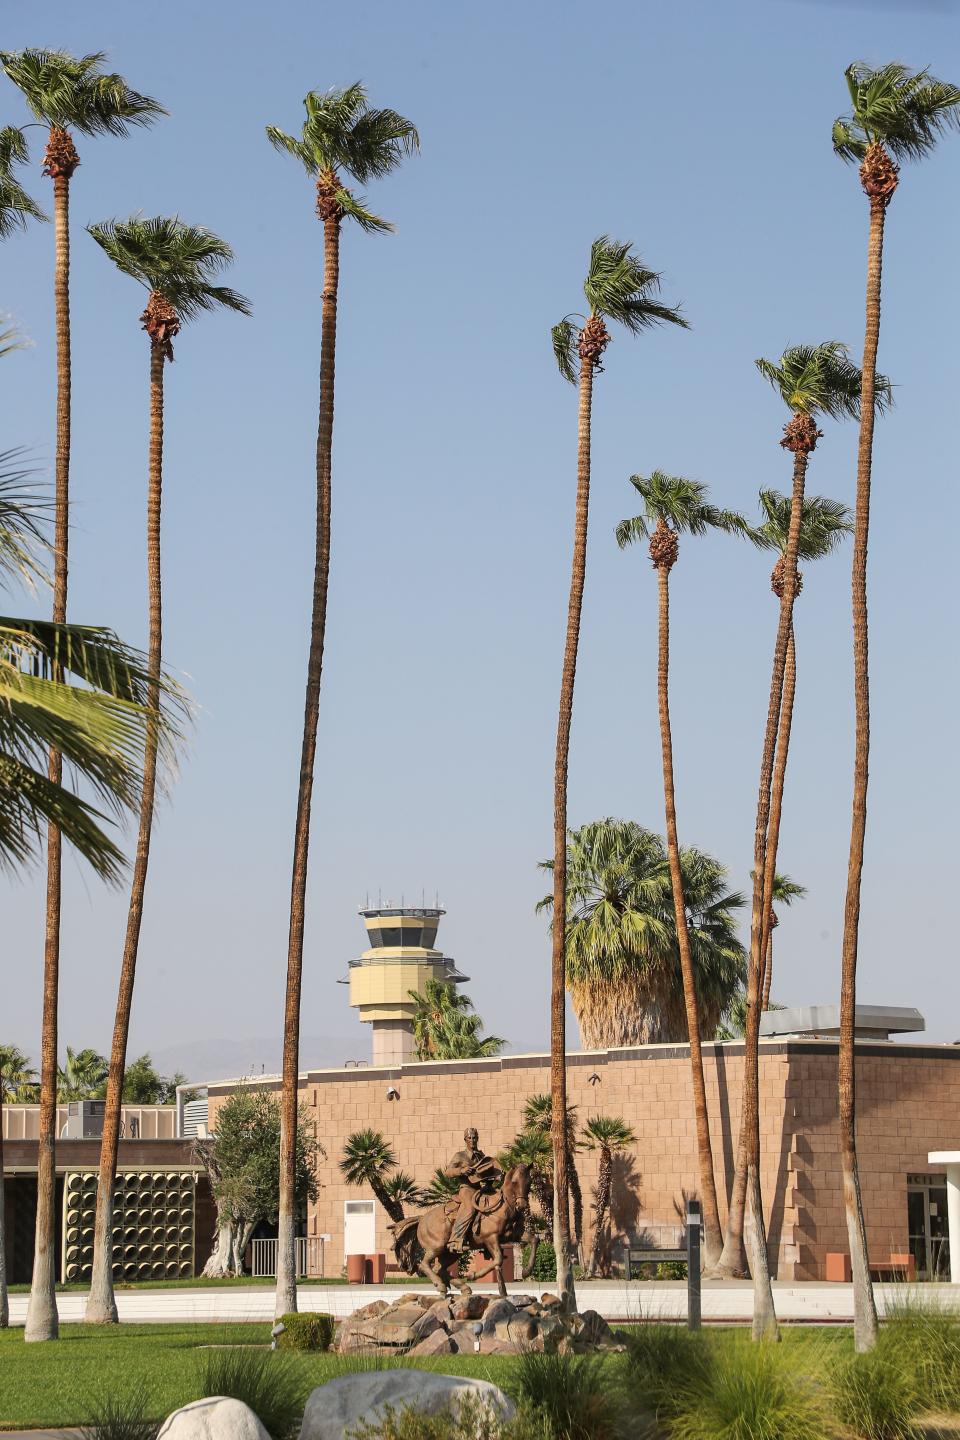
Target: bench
x=900, y=1266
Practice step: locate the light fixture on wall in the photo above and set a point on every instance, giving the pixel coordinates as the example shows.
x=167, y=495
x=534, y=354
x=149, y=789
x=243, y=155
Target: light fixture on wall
x=393, y=1093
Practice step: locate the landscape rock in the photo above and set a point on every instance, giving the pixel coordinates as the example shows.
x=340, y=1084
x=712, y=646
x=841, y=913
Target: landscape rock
x=496, y=1311
x=217, y=1418
x=518, y=1329
x=438, y=1342
x=492, y=1345
x=470, y=1307
x=428, y=1322
x=339, y=1406
x=376, y=1307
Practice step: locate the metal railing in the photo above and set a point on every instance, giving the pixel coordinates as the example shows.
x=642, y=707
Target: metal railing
x=310, y=1256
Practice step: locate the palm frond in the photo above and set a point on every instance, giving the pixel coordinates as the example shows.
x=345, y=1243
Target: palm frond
x=680, y=503
x=620, y=287
x=904, y=110
x=22, y=514
x=29, y=801
x=178, y=260
x=823, y=525
x=16, y=206
x=564, y=340
x=822, y=379
x=77, y=93
x=355, y=206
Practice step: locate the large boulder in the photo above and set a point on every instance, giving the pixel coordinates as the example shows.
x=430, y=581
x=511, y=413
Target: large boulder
x=217, y=1418
x=436, y=1343
x=338, y=1407
x=496, y=1311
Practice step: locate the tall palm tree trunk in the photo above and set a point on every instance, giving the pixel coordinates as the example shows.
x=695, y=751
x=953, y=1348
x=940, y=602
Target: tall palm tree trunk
x=42, y=1319
x=286, y=1300
x=558, y=986
x=101, y=1305
x=601, y=1207
x=864, y=1306
x=776, y=810
x=712, y=1237
x=747, y=1174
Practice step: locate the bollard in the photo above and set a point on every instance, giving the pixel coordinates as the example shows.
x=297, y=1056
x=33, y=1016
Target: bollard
x=693, y=1264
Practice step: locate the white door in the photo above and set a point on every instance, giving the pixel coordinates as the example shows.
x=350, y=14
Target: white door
x=359, y=1227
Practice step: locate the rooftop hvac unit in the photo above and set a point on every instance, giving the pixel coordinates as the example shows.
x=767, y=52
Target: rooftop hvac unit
x=84, y=1120
x=195, y=1116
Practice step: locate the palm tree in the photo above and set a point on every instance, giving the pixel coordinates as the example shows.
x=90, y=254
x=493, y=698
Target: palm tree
x=438, y=1189
x=538, y=1119
x=673, y=506
x=18, y=1079
x=66, y=94
x=609, y=1134
x=82, y=1076
x=444, y=1027
x=16, y=206
x=532, y=1147
x=785, y=891
x=177, y=265
x=811, y=380
x=342, y=135
x=402, y=1189
x=623, y=960
x=620, y=288
x=895, y=114
x=367, y=1160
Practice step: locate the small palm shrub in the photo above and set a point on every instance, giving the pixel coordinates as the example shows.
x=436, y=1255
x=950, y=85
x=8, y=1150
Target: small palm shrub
x=745, y=1390
x=573, y=1395
x=262, y=1380
x=876, y=1394
x=306, y=1332
x=121, y=1417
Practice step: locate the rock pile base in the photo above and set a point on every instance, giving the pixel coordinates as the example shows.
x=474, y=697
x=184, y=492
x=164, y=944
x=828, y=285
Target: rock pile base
x=467, y=1324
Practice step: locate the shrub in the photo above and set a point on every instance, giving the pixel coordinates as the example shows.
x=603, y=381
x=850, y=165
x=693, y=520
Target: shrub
x=571, y=1394
x=876, y=1394
x=121, y=1417
x=259, y=1378
x=660, y=1357
x=749, y=1390
x=546, y=1262
x=927, y=1338
x=306, y=1332
x=468, y=1420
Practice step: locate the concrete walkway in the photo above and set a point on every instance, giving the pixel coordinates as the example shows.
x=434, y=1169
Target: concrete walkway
x=817, y=1302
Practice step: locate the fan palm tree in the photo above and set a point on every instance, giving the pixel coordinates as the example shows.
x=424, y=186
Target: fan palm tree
x=82, y=1076
x=66, y=94
x=444, y=1027
x=538, y=1119
x=618, y=287
x=342, y=136
x=533, y=1148
x=177, y=265
x=402, y=1189
x=440, y=1188
x=16, y=206
x=811, y=380
x=672, y=507
x=367, y=1159
x=896, y=114
x=623, y=961
x=785, y=891
x=18, y=1078
x=610, y=1135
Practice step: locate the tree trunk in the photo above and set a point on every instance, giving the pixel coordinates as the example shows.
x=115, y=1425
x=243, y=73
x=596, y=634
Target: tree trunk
x=712, y=1237
x=558, y=986
x=601, y=1208
x=4, y=1300
x=576, y=1204
x=776, y=810
x=220, y=1260
x=286, y=1299
x=748, y=1149
x=42, y=1319
x=864, y=1306
x=101, y=1304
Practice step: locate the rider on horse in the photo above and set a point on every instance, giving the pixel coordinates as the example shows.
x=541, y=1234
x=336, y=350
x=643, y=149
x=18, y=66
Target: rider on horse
x=478, y=1174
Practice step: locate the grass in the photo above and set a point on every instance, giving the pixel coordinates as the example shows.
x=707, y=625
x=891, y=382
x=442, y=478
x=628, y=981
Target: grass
x=262, y=1380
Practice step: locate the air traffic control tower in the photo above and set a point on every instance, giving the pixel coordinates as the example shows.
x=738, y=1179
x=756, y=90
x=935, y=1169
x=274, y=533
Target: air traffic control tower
x=401, y=958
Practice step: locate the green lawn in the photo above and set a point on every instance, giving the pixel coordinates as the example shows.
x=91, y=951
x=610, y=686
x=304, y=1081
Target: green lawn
x=58, y=1383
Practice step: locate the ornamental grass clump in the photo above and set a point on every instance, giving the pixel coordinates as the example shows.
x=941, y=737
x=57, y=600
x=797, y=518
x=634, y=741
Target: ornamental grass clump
x=749, y=1390
x=121, y=1417
x=926, y=1337
x=264, y=1381
x=660, y=1358
x=574, y=1395
x=470, y=1419
x=876, y=1394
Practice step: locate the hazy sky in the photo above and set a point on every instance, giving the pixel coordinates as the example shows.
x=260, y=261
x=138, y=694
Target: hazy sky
x=702, y=133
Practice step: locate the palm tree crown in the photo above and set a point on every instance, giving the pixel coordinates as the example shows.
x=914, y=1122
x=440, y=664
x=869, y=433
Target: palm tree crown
x=177, y=263
x=445, y=1026
x=366, y=1154
x=18, y=1079
x=16, y=206
x=823, y=524
x=618, y=287
x=83, y=1074
x=70, y=93
x=821, y=379
x=903, y=110
x=343, y=132
x=606, y=1132
x=670, y=502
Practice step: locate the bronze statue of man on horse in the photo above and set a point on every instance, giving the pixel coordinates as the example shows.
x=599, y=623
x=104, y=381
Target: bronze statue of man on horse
x=490, y=1210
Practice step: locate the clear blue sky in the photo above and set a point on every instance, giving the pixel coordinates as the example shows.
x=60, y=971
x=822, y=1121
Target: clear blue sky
x=702, y=133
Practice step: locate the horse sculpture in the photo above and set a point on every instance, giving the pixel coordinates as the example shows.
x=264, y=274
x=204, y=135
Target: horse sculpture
x=503, y=1218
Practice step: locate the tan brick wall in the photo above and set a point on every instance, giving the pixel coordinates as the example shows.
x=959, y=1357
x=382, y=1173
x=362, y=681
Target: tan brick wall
x=908, y=1099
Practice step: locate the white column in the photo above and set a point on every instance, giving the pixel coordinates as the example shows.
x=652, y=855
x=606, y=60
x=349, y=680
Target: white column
x=953, y=1220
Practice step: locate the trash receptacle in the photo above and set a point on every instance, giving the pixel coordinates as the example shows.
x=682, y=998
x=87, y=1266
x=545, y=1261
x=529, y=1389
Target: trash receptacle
x=356, y=1269
x=376, y=1269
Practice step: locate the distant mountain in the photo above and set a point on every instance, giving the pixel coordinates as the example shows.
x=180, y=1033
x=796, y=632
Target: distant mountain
x=227, y=1059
